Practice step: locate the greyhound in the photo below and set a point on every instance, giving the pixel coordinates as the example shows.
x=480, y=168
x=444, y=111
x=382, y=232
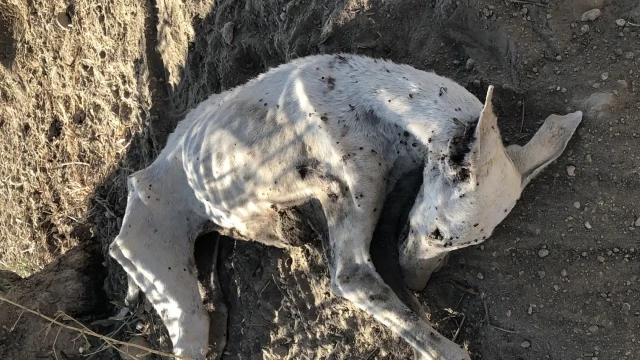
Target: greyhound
x=340, y=130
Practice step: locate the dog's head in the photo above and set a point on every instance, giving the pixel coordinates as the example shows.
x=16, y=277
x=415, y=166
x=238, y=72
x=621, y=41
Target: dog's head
x=476, y=183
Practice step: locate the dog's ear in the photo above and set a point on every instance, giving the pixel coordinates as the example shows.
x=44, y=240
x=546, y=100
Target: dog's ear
x=545, y=146
x=477, y=145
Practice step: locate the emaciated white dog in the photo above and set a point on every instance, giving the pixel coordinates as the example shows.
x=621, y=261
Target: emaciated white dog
x=339, y=129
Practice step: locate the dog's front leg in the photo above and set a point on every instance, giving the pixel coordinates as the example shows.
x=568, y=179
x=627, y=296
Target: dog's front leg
x=353, y=276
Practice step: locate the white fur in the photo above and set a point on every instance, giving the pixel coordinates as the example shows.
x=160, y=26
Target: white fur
x=340, y=129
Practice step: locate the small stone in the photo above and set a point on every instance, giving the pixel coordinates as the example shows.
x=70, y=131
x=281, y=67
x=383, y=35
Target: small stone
x=621, y=22
x=604, y=76
x=585, y=29
x=596, y=85
x=535, y=70
x=524, y=11
x=543, y=253
x=525, y=344
x=626, y=307
x=480, y=276
x=629, y=55
x=487, y=12
x=227, y=32
x=470, y=64
x=593, y=329
x=587, y=225
x=559, y=58
x=541, y=274
x=618, y=52
x=601, y=258
x=622, y=83
x=556, y=287
x=591, y=15
x=576, y=204
x=589, y=158
x=637, y=223
x=563, y=272
x=571, y=170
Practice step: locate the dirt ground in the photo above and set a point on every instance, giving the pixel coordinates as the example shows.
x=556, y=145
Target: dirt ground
x=89, y=91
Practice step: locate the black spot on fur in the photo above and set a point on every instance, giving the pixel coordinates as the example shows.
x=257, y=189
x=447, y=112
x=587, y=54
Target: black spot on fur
x=331, y=82
x=437, y=235
x=307, y=167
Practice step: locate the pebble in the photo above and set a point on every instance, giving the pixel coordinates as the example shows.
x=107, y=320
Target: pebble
x=543, y=253
x=470, y=64
x=587, y=225
x=637, y=223
x=524, y=11
x=525, y=344
x=576, y=204
x=604, y=76
x=585, y=29
x=563, y=272
x=618, y=52
x=621, y=22
x=629, y=55
x=601, y=258
x=593, y=329
x=480, y=276
x=591, y=15
x=626, y=307
x=622, y=83
x=571, y=170
x=542, y=274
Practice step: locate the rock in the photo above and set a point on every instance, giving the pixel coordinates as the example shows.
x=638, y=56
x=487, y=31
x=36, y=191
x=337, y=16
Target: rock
x=524, y=11
x=571, y=170
x=601, y=258
x=637, y=223
x=591, y=15
x=563, y=272
x=588, y=225
x=576, y=204
x=480, y=276
x=629, y=55
x=593, y=329
x=133, y=353
x=525, y=344
x=542, y=274
x=604, y=76
x=543, y=253
x=626, y=307
x=618, y=52
x=470, y=64
x=585, y=29
x=622, y=83
x=227, y=32
x=621, y=22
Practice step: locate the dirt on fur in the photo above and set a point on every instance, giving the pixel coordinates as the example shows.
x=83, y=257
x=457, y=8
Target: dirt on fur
x=89, y=91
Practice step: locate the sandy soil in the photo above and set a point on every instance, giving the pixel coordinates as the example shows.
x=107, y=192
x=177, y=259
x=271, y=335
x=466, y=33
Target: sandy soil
x=89, y=91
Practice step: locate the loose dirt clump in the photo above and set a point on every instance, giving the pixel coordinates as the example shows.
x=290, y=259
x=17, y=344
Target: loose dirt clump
x=89, y=91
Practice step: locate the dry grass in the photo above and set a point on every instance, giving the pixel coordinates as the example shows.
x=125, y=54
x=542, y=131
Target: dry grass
x=71, y=104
